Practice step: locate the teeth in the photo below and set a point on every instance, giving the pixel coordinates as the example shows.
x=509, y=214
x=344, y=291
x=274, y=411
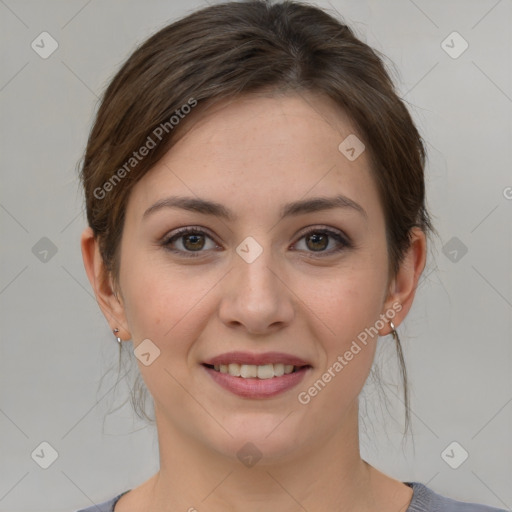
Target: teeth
x=234, y=369
x=266, y=371
x=279, y=370
x=248, y=371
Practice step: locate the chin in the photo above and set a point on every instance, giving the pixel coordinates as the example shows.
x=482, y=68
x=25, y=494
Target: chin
x=268, y=441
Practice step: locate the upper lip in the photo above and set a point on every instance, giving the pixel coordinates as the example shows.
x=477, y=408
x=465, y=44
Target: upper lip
x=256, y=359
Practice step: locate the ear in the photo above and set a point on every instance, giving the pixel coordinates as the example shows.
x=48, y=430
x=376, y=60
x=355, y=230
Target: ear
x=102, y=285
x=402, y=288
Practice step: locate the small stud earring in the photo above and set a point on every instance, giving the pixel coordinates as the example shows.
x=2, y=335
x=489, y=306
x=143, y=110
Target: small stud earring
x=119, y=340
x=393, y=332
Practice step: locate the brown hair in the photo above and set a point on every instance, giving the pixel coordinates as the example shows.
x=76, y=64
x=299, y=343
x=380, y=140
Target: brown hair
x=234, y=48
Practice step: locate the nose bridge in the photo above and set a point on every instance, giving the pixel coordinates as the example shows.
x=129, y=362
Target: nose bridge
x=257, y=297
x=255, y=265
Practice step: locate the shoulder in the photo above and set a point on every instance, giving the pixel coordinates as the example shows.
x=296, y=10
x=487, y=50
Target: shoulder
x=106, y=506
x=426, y=500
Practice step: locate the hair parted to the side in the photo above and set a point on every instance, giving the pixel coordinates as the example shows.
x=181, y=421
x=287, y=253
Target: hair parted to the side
x=236, y=48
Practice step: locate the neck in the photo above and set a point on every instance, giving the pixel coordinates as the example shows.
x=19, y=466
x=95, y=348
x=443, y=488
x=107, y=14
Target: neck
x=329, y=474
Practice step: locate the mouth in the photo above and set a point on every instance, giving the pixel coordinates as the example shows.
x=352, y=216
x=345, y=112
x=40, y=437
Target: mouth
x=252, y=371
x=256, y=381
x=256, y=376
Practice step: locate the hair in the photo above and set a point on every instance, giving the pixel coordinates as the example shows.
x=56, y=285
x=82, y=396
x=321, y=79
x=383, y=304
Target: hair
x=231, y=49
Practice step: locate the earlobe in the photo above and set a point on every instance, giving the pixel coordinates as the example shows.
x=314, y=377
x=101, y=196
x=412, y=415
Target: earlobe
x=101, y=283
x=403, y=286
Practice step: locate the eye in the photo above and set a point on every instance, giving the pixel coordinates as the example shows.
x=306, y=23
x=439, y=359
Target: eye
x=317, y=240
x=191, y=239
x=192, y=242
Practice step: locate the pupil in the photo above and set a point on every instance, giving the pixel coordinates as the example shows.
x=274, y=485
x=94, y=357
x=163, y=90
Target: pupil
x=317, y=236
x=187, y=237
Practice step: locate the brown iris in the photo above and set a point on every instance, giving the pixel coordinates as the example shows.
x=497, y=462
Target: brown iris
x=318, y=238
x=197, y=243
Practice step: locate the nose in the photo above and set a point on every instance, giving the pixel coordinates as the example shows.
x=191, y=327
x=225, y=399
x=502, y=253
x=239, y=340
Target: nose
x=256, y=296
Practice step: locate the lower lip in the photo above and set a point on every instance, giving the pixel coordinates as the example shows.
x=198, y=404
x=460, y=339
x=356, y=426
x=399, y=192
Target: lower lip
x=257, y=388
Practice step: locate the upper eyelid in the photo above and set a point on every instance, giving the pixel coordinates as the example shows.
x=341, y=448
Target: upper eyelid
x=180, y=232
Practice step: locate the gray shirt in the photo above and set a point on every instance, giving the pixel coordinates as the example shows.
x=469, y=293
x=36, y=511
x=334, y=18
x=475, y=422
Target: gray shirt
x=423, y=500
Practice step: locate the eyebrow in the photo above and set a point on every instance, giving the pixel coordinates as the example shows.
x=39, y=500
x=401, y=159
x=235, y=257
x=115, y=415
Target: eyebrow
x=207, y=207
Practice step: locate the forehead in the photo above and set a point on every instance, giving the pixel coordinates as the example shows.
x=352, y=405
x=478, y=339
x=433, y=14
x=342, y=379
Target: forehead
x=260, y=122
x=260, y=150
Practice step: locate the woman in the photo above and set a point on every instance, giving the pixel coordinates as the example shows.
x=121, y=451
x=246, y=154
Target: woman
x=256, y=206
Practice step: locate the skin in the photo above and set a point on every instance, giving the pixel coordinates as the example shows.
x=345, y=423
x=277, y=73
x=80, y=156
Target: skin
x=252, y=155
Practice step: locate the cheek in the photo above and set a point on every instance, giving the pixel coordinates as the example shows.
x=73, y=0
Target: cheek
x=349, y=346
x=349, y=307
x=350, y=301
x=164, y=305
x=163, y=302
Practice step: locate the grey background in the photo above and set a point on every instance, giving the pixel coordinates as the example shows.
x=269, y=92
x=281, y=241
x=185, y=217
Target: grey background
x=56, y=345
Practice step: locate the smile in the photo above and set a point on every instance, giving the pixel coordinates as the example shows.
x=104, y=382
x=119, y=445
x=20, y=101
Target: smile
x=248, y=371
x=256, y=381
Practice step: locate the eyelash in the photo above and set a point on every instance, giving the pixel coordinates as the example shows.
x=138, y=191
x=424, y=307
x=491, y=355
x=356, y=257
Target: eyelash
x=180, y=233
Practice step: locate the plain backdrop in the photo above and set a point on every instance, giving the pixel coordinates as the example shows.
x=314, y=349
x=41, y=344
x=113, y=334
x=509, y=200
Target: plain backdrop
x=56, y=345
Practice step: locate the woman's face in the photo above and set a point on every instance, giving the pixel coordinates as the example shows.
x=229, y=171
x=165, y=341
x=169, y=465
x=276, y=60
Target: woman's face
x=273, y=277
